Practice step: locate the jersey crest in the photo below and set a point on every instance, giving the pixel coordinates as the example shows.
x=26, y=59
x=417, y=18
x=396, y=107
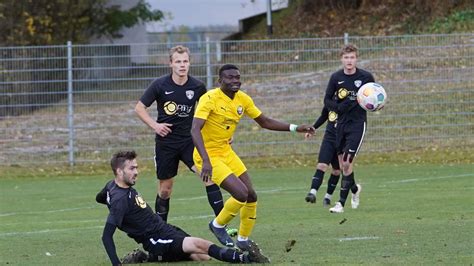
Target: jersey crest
x=140, y=201
x=189, y=94
x=357, y=83
x=240, y=110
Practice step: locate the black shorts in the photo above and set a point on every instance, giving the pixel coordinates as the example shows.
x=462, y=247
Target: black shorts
x=328, y=153
x=349, y=137
x=167, y=244
x=168, y=155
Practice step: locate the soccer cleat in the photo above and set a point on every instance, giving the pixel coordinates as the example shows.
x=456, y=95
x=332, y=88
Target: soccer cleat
x=337, y=208
x=231, y=231
x=254, y=252
x=326, y=202
x=136, y=256
x=310, y=198
x=221, y=235
x=355, y=197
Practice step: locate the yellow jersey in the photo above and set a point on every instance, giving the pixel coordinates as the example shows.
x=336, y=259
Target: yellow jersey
x=222, y=115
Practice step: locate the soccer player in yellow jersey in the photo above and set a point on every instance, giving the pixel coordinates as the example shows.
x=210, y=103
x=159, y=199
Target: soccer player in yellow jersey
x=215, y=120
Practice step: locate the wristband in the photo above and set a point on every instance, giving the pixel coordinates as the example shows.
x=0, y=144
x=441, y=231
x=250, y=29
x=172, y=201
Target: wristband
x=293, y=127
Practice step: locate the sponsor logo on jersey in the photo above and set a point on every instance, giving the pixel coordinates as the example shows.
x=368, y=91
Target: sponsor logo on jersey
x=357, y=83
x=172, y=108
x=168, y=92
x=340, y=82
x=189, y=94
x=332, y=117
x=342, y=93
x=140, y=202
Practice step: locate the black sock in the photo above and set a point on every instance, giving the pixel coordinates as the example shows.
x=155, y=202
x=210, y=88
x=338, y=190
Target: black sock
x=346, y=185
x=214, y=196
x=226, y=254
x=162, y=207
x=354, y=187
x=317, y=179
x=332, y=183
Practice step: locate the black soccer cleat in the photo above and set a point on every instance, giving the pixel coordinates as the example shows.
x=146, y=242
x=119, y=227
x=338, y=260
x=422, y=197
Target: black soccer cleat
x=134, y=257
x=311, y=198
x=254, y=252
x=221, y=235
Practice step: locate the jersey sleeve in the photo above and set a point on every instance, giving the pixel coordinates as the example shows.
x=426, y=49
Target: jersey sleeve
x=251, y=109
x=204, y=107
x=117, y=211
x=150, y=95
x=371, y=78
x=322, y=118
x=329, y=101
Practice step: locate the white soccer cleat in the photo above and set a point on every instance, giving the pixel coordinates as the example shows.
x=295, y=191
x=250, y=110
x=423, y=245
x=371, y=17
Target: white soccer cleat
x=337, y=208
x=355, y=197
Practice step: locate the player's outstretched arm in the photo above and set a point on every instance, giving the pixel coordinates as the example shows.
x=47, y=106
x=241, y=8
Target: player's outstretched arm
x=272, y=124
x=322, y=118
x=206, y=171
x=108, y=241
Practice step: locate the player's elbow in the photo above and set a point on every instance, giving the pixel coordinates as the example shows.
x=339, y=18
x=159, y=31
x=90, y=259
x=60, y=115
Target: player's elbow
x=194, y=132
x=139, y=108
x=101, y=198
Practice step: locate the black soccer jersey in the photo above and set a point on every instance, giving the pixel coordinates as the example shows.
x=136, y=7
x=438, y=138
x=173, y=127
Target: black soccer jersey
x=175, y=105
x=130, y=213
x=345, y=88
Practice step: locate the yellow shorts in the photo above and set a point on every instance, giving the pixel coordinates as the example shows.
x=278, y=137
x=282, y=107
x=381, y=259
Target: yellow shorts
x=222, y=166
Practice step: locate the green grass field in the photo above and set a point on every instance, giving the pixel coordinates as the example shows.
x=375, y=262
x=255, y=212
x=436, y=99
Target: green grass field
x=409, y=214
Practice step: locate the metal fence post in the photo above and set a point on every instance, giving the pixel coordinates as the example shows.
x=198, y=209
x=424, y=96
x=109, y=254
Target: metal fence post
x=208, y=64
x=70, y=109
x=346, y=38
x=218, y=51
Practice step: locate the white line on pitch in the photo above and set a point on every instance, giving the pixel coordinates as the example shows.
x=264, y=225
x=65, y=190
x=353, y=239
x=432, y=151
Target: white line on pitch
x=358, y=238
x=428, y=178
x=50, y=211
x=49, y=231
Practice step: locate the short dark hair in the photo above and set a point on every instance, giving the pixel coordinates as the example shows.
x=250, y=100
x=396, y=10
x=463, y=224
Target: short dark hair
x=119, y=158
x=227, y=67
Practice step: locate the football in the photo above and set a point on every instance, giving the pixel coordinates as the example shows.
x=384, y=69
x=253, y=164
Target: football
x=371, y=97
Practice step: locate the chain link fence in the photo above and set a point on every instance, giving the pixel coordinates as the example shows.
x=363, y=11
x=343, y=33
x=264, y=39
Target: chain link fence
x=75, y=103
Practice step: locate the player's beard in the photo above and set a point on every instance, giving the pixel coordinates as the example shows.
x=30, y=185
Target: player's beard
x=130, y=181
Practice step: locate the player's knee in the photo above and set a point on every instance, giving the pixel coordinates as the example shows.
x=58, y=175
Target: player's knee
x=165, y=193
x=336, y=172
x=252, y=196
x=241, y=195
x=195, y=245
x=322, y=166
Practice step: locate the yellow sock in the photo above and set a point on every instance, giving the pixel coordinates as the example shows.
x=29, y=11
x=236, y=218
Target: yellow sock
x=230, y=210
x=248, y=217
